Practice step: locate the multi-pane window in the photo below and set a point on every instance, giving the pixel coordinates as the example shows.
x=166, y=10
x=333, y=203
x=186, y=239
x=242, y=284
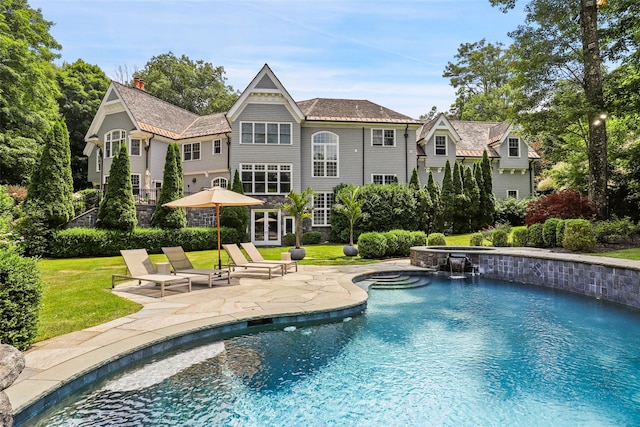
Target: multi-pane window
x=440, y=145
x=325, y=154
x=322, y=204
x=261, y=178
x=265, y=133
x=135, y=145
x=191, y=151
x=512, y=193
x=219, y=182
x=514, y=147
x=112, y=142
x=383, y=137
x=383, y=178
x=135, y=183
x=217, y=146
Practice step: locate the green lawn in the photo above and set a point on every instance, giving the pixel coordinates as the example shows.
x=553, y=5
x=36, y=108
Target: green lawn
x=77, y=292
x=632, y=254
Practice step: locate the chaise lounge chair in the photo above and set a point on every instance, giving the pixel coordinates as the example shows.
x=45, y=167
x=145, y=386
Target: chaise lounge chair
x=256, y=256
x=142, y=269
x=239, y=260
x=181, y=264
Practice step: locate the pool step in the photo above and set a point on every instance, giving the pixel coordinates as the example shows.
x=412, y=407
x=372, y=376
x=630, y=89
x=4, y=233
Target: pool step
x=397, y=282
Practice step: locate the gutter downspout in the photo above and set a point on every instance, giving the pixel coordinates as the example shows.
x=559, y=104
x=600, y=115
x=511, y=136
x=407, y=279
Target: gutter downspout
x=406, y=153
x=228, y=135
x=363, y=181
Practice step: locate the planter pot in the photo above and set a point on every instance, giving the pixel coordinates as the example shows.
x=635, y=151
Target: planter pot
x=297, y=253
x=349, y=250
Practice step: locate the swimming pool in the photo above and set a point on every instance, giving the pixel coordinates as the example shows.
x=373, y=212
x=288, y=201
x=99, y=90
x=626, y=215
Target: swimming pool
x=463, y=352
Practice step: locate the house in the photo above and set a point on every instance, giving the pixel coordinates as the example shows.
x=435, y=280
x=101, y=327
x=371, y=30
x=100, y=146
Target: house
x=511, y=157
x=278, y=145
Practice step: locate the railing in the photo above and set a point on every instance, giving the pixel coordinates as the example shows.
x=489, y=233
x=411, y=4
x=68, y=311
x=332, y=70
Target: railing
x=145, y=197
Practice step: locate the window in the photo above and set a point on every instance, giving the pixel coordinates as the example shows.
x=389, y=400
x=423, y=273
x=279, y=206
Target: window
x=134, y=147
x=191, y=151
x=383, y=137
x=219, y=182
x=217, y=146
x=512, y=193
x=112, y=142
x=383, y=179
x=514, y=147
x=264, y=178
x=135, y=183
x=322, y=204
x=440, y=145
x=325, y=154
x=265, y=133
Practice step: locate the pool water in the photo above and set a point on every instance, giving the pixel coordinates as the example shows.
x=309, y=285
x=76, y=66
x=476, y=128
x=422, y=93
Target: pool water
x=455, y=353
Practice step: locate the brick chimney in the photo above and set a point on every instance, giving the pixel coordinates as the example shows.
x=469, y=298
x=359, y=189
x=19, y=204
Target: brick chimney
x=140, y=84
x=136, y=82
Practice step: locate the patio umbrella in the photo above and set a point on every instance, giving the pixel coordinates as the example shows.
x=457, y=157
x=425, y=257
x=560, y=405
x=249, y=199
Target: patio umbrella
x=214, y=197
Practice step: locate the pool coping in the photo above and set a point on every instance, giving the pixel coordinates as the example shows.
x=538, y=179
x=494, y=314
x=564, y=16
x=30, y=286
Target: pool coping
x=38, y=389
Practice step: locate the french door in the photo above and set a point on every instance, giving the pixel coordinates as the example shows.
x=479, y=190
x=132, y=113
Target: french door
x=265, y=227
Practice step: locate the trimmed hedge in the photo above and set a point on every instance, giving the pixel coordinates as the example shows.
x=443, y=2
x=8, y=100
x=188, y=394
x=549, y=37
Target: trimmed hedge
x=310, y=238
x=476, y=239
x=392, y=243
x=418, y=238
x=520, y=237
x=579, y=235
x=436, y=239
x=500, y=238
x=560, y=232
x=20, y=293
x=372, y=245
x=534, y=235
x=89, y=242
x=549, y=232
x=290, y=239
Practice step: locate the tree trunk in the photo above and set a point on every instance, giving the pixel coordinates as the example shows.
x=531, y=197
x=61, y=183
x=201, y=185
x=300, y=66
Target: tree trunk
x=597, y=149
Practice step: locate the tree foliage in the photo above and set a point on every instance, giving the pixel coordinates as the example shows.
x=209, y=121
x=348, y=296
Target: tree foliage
x=52, y=184
x=564, y=204
x=82, y=86
x=480, y=76
x=298, y=205
x=350, y=206
x=172, y=189
x=28, y=88
x=236, y=216
x=197, y=86
x=487, y=198
x=117, y=209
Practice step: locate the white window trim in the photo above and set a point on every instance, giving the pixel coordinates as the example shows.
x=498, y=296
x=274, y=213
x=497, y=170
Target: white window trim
x=108, y=141
x=213, y=147
x=509, y=147
x=199, y=151
x=220, y=179
x=517, y=196
x=266, y=170
x=266, y=133
x=337, y=144
x=446, y=145
x=326, y=209
x=383, y=137
x=384, y=176
x=131, y=147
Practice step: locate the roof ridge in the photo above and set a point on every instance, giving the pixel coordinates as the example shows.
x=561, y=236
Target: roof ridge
x=144, y=92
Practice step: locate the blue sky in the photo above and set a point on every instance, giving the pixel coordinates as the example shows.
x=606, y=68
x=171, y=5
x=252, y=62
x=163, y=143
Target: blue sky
x=391, y=52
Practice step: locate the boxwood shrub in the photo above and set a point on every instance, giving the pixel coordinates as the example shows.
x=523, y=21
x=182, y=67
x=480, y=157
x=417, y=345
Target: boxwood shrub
x=290, y=239
x=418, y=238
x=372, y=245
x=534, y=235
x=549, y=232
x=311, y=238
x=436, y=239
x=403, y=242
x=579, y=235
x=500, y=238
x=476, y=239
x=520, y=237
x=20, y=293
x=392, y=243
x=79, y=242
x=560, y=232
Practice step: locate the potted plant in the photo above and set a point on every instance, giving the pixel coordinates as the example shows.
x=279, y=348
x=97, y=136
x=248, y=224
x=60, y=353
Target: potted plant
x=350, y=206
x=298, y=205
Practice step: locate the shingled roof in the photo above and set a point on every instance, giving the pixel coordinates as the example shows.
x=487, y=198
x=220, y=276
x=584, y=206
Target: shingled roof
x=162, y=118
x=350, y=110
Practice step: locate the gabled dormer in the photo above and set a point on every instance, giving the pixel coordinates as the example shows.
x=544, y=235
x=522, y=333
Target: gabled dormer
x=506, y=139
x=265, y=88
x=438, y=139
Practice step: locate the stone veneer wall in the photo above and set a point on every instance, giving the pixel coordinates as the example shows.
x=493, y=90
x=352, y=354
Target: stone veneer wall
x=598, y=279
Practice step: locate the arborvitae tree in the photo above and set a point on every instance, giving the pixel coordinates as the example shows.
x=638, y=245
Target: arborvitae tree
x=472, y=192
x=172, y=189
x=236, y=216
x=414, y=182
x=487, y=198
x=51, y=182
x=447, y=197
x=459, y=214
x=425, y=208
x=118, y=208
x=436, y=219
